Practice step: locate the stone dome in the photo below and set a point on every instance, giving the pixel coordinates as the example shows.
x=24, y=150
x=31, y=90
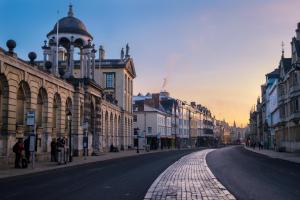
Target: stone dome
x=70, y=24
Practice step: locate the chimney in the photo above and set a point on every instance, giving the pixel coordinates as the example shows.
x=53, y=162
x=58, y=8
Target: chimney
x=193, y=104
x=101, y=53
x=139, y=105
x=156, y=100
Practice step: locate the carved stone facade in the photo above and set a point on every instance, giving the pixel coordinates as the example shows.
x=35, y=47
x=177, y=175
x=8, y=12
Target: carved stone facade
x=60, y=85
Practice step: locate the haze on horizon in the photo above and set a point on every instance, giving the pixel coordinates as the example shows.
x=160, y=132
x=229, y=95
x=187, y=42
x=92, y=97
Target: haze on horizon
x=213, y=52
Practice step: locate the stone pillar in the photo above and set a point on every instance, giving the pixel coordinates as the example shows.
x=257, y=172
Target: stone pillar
x=49, y=128
x=98, y=126
x=77, y=131
x=87, y=111
x=88, y=64
x=11, y=126
x=93, y=63
x=71, y=61
x=53, y=60
x=45, y=59
x=81, y=63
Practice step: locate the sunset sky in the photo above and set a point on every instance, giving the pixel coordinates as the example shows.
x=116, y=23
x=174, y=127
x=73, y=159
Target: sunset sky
x=214, y=52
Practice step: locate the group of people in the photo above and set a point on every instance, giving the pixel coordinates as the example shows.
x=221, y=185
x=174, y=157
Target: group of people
x=21, y=149
x=59, y=150
x=253, y=144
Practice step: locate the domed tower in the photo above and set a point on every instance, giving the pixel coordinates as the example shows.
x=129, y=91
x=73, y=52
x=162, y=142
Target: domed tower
x=70, y=33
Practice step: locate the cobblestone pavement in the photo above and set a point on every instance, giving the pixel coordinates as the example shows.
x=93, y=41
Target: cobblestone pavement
x=188, y=178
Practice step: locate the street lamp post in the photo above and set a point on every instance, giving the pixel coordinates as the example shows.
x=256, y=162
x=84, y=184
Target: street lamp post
x=137, y=143
x=69, y=116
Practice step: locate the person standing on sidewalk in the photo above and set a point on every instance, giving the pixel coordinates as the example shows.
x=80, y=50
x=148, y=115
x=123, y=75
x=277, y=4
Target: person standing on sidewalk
x=274, y=145
x=26, y=147
x=17, y=149
x=53, y=150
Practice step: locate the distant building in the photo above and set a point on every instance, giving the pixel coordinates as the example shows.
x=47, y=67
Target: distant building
x=191, y=124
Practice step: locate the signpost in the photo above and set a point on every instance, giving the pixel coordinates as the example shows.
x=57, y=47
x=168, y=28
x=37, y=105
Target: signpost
x=30, y=118
x=30, y=121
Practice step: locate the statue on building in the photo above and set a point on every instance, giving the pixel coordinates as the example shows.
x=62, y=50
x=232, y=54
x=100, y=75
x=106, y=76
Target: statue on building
x=127, y=51
x=122, y=53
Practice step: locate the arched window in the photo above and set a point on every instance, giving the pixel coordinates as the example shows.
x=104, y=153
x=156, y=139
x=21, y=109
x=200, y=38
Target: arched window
x=56, y=113
x=3, y=103
x=41, y=108
x=23, y=102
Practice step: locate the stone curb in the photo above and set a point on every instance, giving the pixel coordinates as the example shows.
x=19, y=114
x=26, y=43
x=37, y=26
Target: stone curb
x=12, y=172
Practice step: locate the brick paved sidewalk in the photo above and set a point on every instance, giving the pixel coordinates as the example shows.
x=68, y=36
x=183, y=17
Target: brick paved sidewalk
x=292, y=157
x=45, y=166
x=188, y=178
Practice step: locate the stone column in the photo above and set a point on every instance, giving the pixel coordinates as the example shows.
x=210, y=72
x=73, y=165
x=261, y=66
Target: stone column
x=97, y=126
x=81, y=63
x=11, y=107
x=93, y=63
x=71, y=61
x=87, y=111
x=88, y=64
x=45, y=59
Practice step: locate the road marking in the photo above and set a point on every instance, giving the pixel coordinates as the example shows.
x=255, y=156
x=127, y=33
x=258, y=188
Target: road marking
x=188, y=178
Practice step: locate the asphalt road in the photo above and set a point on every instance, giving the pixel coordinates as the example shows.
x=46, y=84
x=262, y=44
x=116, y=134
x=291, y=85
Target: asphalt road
x=249, y=175
x=125, y=178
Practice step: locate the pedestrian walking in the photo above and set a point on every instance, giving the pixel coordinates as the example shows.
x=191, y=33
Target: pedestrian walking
x=53, y=150
x=18, y=148
x=27, y=151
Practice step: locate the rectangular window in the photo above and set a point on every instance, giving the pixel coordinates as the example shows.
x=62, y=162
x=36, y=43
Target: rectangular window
x=294, y=107
x=110, y=80
x=149, y=130
x=134, y=118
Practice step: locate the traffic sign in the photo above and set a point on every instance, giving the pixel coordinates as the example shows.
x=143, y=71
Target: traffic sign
x=32, y=143
x=30, y=118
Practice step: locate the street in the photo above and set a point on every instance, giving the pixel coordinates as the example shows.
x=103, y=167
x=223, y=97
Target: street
x=248, y=175
x=125, y=178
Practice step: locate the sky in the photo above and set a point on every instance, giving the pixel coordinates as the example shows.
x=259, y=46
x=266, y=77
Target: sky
x=214, y=52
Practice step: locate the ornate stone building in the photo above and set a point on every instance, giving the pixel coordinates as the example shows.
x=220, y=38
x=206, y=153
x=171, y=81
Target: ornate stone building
x=96, y=92
x=278, y=112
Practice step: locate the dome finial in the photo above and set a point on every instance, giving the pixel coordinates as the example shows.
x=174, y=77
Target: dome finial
x=70, y=12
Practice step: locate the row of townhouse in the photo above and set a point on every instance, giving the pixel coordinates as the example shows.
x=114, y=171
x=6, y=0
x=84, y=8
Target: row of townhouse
x=275, y=119
x=161, y=121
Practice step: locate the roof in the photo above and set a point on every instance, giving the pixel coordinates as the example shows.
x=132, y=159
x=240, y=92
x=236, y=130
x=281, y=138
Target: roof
x=167, y=104
x=70, y=24
x=287, y=64
x=118, y=63
x=274, y=74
